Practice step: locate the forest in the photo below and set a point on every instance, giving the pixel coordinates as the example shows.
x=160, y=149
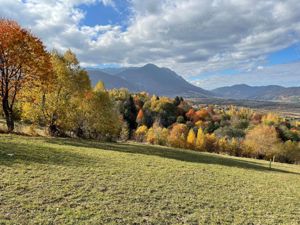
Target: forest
x=52, y=90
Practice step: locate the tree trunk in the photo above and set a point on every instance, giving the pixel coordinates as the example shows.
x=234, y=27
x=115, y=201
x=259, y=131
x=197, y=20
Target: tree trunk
x=8, y=113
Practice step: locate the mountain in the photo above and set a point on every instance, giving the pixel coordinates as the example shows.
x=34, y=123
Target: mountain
x=149, y=78
x=269, y=93
x=109, y=80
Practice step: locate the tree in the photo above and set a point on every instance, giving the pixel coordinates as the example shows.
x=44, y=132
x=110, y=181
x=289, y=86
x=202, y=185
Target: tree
x=262, y=142
x=59, y=105
x=200, y=140
x=290, y=152
x=130, y=114
x=140, y=133
x=23, y=62
x=124, y=133
x=101, y=118
x=211, y=143
x=177, y=136
x=100, y=86
x=191, y=139
x=176, y=101
x=157, y=135
x=140, y=116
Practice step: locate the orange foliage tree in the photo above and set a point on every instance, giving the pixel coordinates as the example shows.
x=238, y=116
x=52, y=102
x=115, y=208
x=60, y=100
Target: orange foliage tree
x=23, y=61
x=140, y=116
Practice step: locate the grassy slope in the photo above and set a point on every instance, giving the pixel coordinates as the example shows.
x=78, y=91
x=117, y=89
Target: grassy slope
x=63, y=181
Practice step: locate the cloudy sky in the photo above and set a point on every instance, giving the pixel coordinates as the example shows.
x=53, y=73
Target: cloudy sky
x=211, y=43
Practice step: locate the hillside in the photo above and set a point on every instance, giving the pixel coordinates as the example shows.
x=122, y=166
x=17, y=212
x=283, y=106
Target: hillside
x=149, y=78
x=110, y=81
x=67, y=181
x=271, y=92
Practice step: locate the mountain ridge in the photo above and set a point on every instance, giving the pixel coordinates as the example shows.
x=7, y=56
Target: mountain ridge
x=149, y=78
x=268, y=92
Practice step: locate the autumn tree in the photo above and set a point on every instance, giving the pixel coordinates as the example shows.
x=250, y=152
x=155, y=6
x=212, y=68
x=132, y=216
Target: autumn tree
x=200, y=140
x=262, y=142
x=101, y=120
x=140, y=133
x=177, y=136
x=140, y=116
x=157, y=135
x=100, y=86
x=59, y=105
x=191, y=139
x=23, y=61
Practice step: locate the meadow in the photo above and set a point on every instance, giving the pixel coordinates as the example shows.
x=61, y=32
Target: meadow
x=73, y=181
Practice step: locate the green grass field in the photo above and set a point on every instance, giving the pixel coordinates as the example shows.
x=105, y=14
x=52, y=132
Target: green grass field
x=65, y=181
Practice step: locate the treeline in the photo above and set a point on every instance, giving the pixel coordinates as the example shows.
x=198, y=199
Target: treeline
x=52, y=90
x=229, y=130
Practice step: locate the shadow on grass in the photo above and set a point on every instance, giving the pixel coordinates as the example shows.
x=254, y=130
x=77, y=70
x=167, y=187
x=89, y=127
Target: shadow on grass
x=28, y=153
x=171, y=153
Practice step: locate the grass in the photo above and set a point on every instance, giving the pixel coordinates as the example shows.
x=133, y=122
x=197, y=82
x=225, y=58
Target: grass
x=68, y=181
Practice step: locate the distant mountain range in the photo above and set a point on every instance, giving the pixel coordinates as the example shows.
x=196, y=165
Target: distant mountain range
x=165, y=82
x=149, y=78
x=268, y=93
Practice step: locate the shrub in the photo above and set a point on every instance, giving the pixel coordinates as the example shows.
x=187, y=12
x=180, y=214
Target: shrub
x=271, y=119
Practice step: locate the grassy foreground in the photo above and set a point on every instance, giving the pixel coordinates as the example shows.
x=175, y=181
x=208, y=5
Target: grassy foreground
x=65, y=181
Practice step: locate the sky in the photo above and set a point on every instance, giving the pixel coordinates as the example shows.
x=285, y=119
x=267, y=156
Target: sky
x=211, y=43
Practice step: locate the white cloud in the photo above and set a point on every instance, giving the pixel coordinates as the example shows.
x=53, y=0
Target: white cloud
x=190, y=36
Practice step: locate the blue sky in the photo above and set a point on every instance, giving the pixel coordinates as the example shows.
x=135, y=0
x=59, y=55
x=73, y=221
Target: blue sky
x=100, y=14
x=211, y=43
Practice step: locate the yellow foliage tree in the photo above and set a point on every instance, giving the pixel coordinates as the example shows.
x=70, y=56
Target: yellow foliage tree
x=223, y=145
x=99, y=86
x=177, y=136
x=191, y=139
x=200, y=140
x=211, y=142
x=262, y=142
x=157, y=135
x=140, y=133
